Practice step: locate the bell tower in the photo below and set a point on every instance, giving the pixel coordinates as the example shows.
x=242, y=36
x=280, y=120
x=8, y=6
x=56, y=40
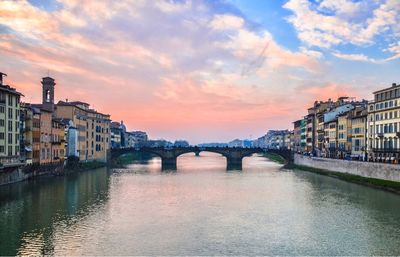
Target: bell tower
x=48, y=93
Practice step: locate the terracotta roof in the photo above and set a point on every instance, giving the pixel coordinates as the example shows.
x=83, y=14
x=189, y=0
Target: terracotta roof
x=10, y=90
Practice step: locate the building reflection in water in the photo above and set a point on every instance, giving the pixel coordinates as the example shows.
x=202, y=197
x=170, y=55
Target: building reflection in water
x=30, y=209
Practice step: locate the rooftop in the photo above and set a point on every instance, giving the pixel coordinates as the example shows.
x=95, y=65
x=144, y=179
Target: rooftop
x=388, y=88
x=10, y=90
x=78, y=104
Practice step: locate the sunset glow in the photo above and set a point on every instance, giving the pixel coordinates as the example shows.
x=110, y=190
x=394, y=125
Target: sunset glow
x=201, y=70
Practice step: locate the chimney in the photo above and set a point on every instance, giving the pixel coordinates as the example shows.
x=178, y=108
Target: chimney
x=393, y=84
x=1, y=77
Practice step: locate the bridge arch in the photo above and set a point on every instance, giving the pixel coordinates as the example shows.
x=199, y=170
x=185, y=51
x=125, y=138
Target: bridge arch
x=234, y=156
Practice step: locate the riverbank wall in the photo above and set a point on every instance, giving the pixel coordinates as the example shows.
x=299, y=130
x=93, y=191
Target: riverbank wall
x=10, y=175
x=384, y=171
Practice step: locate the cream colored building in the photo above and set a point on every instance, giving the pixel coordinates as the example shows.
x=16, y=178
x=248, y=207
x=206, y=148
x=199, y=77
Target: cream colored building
x=344, y=135
x=358, y=118
x=384, y=125
x=331, y=144
x=9, y=125
x=93, y=129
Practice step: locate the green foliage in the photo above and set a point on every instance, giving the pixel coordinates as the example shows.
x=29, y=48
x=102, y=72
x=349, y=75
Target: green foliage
x=73, y=164
x=129, y=158
x=275, y=158
x=92, y=165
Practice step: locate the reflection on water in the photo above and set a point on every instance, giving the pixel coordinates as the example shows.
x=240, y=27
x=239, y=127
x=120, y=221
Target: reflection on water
x=199, y=210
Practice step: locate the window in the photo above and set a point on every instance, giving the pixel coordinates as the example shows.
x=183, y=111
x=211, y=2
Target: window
x=1, y=149
x=48, y=95
x=357, y=145
x=10, y=138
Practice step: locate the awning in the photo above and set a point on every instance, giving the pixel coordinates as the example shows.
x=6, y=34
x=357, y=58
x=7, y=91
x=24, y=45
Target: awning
x=28, y=149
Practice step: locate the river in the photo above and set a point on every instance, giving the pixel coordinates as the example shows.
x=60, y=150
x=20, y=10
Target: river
x=199, y=210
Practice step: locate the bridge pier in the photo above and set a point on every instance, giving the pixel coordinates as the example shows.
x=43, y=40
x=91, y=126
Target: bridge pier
x=234, y=163
x=168, y=163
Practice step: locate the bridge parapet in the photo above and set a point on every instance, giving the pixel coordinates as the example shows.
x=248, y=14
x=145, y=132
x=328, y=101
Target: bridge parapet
x=233, y=155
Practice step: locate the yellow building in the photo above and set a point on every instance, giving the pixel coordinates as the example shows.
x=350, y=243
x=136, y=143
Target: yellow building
x=344, y=135
x=93, y=129
x=45, y=136
x=58, y=140
x=9, y=125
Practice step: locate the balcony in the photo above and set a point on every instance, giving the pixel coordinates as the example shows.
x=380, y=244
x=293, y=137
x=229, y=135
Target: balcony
x=380, y=135
x=386, y=150
x=10, y=161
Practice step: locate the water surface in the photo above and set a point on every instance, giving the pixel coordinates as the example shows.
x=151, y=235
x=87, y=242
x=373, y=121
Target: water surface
x=199, y=210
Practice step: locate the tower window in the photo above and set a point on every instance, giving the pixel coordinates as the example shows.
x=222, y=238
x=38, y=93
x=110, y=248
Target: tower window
x=48, y=95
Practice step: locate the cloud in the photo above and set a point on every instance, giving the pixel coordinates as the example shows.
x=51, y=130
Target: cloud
x=394, y=48
x=330, y=23
x=227, y=22
x=174, y=68
x=356, y=57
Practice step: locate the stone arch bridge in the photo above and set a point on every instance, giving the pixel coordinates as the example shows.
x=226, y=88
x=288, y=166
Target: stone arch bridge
x=234, y=155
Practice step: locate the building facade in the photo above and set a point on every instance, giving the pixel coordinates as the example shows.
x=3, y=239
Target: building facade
x=359, y=133
x=9, y=125
x=58, y=140
x=30, y=134
x=93, y=129
x=384, y=125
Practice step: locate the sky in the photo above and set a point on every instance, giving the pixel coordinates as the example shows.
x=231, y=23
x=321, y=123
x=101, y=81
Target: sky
x=204, y=71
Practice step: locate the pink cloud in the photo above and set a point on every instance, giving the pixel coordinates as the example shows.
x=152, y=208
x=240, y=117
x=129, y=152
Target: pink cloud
x=160, y=70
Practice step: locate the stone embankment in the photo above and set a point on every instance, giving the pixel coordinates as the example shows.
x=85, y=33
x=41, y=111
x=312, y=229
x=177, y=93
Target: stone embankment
x=382, y=171
x=17, y=174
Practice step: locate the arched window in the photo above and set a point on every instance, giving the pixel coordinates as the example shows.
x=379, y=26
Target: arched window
x=48, y=95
